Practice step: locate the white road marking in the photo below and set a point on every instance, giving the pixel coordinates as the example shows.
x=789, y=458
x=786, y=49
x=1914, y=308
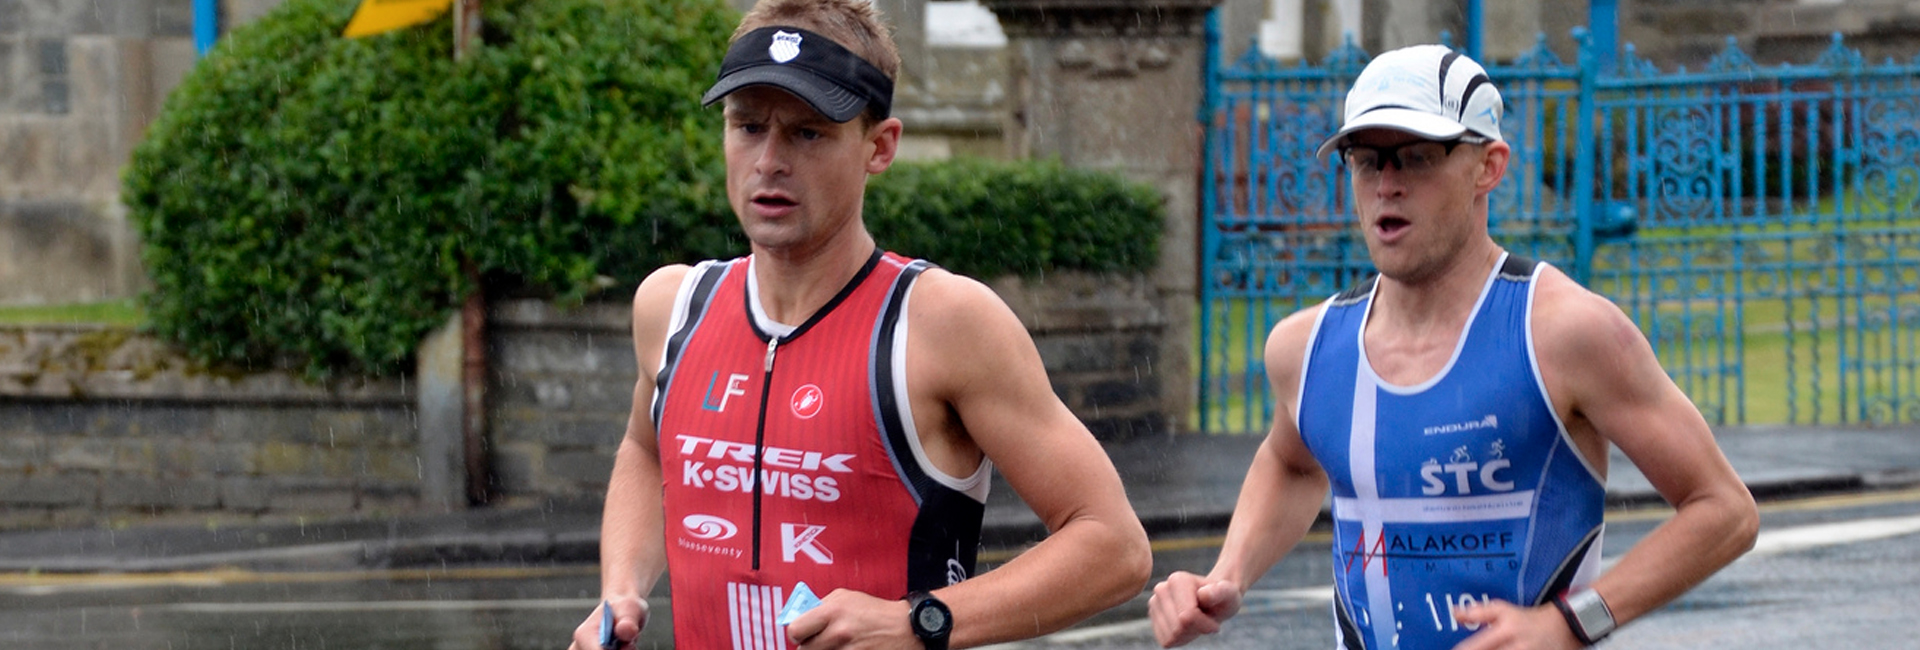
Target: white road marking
x=1259, y=601
x=1772, y=542
x=1788, y=540
x=1090, y=633
x=1282, y=600
x=581, y=604
x=47, y=584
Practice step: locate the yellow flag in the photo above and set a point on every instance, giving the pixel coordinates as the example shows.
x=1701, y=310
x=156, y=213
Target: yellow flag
x=382, y=16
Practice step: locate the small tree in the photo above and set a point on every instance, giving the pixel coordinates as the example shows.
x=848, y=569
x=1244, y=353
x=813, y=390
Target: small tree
x=308, y=200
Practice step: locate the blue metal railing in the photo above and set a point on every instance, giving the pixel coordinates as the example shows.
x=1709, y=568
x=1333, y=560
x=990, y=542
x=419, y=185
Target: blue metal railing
x=1759, y=222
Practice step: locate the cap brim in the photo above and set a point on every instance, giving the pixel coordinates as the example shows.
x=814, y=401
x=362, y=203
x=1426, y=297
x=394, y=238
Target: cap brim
x=1420, y=123
x=838, y=104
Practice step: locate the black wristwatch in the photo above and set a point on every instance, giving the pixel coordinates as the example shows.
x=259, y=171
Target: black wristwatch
x=930, y=620
x=1587, y=614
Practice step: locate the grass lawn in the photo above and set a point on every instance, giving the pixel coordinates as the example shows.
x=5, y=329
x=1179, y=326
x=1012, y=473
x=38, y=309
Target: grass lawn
x=1812, y=368
x=125, y=312
x=1239, y=334
x=1819, y=376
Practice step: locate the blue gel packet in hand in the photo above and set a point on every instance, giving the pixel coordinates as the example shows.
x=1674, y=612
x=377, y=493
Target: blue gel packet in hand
x=801, y=602
x=607, y=640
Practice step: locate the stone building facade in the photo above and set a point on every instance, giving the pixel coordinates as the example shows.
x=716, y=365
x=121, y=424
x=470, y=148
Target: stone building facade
x=79, y=80
x=1688, y=32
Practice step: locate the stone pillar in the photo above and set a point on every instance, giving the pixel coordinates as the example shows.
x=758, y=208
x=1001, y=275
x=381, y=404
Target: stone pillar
x=438, y=409
x=1344, y=17
x=1512, y=26
x=1394, y=24
x=1283, y=32
x=908, y=18
x=235, y=13
x=1116, y=85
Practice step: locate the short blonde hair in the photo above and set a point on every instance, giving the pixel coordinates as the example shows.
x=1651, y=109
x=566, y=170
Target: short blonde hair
x=854, y=24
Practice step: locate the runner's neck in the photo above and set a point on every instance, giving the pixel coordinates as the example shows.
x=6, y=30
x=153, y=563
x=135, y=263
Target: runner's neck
x=791, y=288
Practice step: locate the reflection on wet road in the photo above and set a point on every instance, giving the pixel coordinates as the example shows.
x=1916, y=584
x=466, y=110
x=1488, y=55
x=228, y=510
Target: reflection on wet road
x=1831, y=572
x=477, y=608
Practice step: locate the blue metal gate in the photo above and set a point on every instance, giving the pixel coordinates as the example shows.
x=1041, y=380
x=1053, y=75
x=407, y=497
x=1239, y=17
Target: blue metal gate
x=1760, y=223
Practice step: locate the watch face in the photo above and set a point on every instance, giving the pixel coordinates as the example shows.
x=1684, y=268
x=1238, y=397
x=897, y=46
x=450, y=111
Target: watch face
x=931, y=619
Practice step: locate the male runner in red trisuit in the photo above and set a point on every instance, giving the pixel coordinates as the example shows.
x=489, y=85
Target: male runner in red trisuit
x=824, y=412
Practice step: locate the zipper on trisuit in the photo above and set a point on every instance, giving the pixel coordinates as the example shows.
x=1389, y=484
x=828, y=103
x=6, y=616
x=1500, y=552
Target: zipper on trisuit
x=759, y=444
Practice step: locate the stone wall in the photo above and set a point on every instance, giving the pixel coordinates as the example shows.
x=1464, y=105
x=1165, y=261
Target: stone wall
x=99, y=425
x=105, y=425
x=558, y=402
x=1100, y=338
x=562, y=383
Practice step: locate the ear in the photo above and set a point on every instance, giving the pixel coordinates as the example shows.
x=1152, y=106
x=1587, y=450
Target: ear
x=885, y=138
x=1493, y=167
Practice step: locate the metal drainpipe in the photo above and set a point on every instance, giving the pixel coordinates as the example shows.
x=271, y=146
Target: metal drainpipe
x=1476, y=30
x=206, y=25
x=473, y=315
x=473, y=381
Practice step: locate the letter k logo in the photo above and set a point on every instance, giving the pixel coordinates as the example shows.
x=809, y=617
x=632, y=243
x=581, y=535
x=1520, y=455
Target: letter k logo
x=797, y=539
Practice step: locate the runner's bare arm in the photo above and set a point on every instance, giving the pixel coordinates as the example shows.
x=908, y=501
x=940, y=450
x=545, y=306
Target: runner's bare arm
x=632, y=544
x=1607, y=384
x=1278, y=502
x=977, y=383
x=1285, y=486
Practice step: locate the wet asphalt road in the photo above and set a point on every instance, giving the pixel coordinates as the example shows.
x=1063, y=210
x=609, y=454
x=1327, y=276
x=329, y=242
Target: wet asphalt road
x=1827, y=573
x=1830, y=573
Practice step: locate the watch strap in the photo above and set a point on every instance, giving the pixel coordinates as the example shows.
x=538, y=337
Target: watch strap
x=1587, y=614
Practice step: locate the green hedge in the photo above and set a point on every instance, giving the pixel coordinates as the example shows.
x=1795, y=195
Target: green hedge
x=310, y=202
x=985, y=218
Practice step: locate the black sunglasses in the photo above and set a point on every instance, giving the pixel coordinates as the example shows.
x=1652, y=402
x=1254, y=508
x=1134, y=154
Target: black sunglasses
x=1414, y=157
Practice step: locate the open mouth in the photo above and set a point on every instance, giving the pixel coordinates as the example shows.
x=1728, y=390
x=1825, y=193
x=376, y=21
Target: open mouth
x=1391, y=225
x=774, y=201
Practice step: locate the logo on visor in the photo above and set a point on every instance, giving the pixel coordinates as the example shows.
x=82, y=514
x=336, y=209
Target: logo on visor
x=785, y=47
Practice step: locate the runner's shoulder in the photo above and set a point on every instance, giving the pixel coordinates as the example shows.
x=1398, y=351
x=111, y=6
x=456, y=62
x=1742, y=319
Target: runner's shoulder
x=661, y=285
x=653, y=299
x=1572, y=323
x=948, y=300
x=1290, y=335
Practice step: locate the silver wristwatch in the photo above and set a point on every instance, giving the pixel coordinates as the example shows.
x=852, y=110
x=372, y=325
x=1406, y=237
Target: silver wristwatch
x=1587, y=614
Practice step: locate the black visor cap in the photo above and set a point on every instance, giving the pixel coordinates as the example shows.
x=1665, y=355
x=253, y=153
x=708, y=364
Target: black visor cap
x=831, y=79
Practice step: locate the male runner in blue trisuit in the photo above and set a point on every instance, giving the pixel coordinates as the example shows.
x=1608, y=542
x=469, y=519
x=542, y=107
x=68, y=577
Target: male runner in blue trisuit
x=1460, y=406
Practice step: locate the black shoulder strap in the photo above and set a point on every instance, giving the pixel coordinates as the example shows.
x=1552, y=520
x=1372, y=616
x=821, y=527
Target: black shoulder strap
x=703, y=290
x=1358, y=291
x=1518, y=268
x=887, y=403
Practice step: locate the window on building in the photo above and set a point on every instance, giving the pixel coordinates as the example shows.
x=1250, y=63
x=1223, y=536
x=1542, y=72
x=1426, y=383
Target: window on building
x=54, y=89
